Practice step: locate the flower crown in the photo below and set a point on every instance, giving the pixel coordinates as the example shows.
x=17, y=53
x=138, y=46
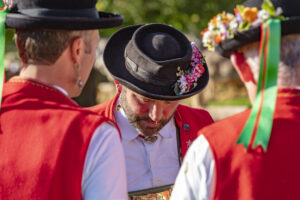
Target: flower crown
x=225, y=25
x=187, y=80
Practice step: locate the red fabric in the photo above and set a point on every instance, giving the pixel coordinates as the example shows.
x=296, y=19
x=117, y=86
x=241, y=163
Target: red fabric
x=193, y=117
x=243, y=68
x=254, y=174
x=44, y=138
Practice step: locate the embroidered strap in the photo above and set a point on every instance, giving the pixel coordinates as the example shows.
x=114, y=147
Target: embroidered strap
x=259, y=125
x=163, y=192
x=3, y=12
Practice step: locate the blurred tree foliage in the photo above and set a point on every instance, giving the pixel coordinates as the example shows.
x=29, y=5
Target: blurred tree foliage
x=189, y=16
x=9, y=34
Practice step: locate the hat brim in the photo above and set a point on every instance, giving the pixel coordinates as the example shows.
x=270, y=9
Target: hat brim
x=227, y=47
x=22, y=21
x=115, y=63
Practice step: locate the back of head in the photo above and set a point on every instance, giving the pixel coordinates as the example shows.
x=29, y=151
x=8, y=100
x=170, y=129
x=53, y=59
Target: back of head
x=289, y=62
x=44, y=30
x=36, y=20
x=43, y=47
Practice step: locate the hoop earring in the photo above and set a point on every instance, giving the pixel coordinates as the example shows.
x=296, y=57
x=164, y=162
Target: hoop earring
x=79, y=82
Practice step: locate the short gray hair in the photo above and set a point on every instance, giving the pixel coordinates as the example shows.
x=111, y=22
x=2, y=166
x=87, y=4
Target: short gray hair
x=46, y=46
x=289, y=59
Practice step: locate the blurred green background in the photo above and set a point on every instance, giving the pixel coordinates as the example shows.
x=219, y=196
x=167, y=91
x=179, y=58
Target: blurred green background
x=189, y=16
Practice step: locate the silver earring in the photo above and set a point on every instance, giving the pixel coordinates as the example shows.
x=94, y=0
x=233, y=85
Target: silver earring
x=79, y=83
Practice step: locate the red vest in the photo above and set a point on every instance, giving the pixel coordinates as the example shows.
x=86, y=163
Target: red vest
x=253, y=174
x=44, y=137
x=189, y=120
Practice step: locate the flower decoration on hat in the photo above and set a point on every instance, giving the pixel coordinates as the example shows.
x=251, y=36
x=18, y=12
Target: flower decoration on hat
x=187, y=80
x=225, y=25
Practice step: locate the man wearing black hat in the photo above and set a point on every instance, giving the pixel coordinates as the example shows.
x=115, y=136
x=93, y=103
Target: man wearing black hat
x=154, y=66
x=254, y=154
x=51, y=148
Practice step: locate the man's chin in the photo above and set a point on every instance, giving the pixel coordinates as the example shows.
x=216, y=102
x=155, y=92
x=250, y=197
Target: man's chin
x=148, y=131
x=143, y=128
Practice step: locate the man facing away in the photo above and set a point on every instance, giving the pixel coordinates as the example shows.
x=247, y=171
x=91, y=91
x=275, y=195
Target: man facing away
x=51, y=148
x=154, y=66
x=254, y=154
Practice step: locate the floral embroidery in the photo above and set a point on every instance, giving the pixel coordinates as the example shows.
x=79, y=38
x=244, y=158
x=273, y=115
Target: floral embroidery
x=225, y=25
x=187, y=80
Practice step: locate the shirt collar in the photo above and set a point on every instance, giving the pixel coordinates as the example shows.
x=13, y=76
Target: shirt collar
x=61, y=89
x=169, y=130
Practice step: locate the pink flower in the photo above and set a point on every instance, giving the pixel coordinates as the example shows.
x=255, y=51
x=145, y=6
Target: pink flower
x=187, y=80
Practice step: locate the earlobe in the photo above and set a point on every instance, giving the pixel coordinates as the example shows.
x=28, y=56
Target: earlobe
x=76, y=49
x=242, y=67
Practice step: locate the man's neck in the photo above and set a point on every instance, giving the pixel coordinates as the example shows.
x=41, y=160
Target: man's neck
x=44, y=74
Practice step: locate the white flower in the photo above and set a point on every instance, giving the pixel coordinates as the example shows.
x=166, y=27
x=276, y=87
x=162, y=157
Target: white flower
x=222, y=27
x=230, y=16
x=183, y=85
x=233, y=26
x=208, y=37
x=279, y=11
x=263, y=15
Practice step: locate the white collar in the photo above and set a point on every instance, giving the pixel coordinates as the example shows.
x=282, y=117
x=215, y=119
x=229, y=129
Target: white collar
x=61, y=89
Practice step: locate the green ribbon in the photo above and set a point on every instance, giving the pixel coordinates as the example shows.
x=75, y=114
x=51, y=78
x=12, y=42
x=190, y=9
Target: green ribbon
x=2, y=49
x=2, y=5
x=259, y=124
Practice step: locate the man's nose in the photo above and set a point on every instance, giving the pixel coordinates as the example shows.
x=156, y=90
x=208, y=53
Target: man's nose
x=156, y=111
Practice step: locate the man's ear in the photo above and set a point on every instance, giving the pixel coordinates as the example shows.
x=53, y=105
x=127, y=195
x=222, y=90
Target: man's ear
x=243, y=69
x=20, y=49
x=77, y=49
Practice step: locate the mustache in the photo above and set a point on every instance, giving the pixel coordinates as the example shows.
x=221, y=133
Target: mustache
x=144, y=118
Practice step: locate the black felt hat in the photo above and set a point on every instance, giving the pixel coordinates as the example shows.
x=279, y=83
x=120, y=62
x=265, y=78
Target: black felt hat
x=145, y=59
x=290, y=8
x=58, y=14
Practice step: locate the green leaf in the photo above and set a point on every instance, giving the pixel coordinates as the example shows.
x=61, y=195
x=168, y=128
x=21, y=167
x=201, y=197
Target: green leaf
x=268, y=6
x=245, y=25
x=176, y=89
x=282, y=18
x=240, y=8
